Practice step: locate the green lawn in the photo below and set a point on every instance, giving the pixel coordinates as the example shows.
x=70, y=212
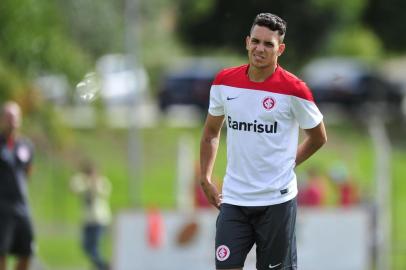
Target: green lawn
x=151, y=183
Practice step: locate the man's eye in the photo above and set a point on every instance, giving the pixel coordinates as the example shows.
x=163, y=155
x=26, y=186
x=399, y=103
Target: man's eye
x=254, y=41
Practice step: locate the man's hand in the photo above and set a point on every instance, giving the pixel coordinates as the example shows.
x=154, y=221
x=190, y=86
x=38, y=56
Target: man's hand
x=315, y=138
x=212, y=194
x=208, y=151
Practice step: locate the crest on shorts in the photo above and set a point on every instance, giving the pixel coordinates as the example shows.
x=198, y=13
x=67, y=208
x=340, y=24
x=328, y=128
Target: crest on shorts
x=222, y=253
x=268, y=103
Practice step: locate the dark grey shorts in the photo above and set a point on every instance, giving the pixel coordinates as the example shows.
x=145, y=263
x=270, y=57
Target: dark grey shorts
x=16, y=235
x=271, y=228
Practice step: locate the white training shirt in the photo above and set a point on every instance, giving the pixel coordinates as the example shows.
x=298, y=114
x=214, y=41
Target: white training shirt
x=263, y=120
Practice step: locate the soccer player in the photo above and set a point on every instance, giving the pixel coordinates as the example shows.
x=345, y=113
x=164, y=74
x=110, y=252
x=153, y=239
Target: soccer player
x=263, y=106
x=16, y=232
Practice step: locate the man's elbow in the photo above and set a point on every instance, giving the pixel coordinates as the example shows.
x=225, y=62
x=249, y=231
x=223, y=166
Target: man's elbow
x=321, y=135
x=318, y=140
x=322, y=140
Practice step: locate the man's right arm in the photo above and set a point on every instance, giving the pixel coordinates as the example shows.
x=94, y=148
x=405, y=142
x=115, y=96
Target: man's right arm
x=208, y=151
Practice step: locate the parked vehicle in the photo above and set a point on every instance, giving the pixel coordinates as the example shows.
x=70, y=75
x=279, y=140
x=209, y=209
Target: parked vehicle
x=349, y=83
x=188, y=82
x=121, y=80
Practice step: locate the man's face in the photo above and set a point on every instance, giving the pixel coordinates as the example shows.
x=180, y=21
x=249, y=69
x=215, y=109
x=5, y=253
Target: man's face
x=263, y=47
x=10, y=118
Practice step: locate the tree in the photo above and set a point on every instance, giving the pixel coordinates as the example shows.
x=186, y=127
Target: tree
x=97, y=25
x=33, y=39
x=312, y=24
x=387, y=19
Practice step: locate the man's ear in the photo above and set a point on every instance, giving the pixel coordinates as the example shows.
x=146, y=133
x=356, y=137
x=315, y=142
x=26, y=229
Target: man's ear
x=281, y=49
x=247, y=42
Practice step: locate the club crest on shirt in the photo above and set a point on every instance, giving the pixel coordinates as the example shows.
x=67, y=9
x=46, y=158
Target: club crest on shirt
x=23, y=153
x=268, y=103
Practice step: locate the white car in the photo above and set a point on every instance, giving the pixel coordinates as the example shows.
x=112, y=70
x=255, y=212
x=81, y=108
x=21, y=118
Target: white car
x=122, y=80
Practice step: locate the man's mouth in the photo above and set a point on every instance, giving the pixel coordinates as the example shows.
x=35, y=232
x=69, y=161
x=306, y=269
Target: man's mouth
x=258, y=57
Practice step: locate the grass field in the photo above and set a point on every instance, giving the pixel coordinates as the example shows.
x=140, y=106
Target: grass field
x=57, y=211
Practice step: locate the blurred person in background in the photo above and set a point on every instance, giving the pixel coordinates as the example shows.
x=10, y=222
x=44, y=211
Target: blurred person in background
x=94, y=191
x=264, y=106
x=16, y=155
x=347, y=190
x=314, y=191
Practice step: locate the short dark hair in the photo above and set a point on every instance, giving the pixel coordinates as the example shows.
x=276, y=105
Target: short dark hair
x=271, y=21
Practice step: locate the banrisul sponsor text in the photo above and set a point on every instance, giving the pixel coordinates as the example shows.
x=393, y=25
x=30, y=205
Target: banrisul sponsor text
x=253, y=126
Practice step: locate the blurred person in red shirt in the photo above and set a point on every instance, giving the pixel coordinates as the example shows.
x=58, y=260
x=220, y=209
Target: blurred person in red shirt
x=313, y=192
x=347, y=190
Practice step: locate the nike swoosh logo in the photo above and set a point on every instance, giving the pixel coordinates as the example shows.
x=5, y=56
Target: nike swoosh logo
x=273, y=266
x=231, y=98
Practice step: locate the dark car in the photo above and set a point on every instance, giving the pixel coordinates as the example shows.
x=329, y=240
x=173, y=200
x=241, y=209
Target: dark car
x=188, y=83
x=349, y=83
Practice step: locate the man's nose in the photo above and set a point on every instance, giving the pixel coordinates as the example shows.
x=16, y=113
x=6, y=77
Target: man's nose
x=260, y=47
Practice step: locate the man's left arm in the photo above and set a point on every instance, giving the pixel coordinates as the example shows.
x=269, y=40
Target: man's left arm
x=28, y=166
x=314, y=139
x=28, y=171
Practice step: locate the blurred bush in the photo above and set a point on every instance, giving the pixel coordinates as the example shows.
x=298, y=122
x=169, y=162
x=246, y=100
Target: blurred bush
x=33, y=39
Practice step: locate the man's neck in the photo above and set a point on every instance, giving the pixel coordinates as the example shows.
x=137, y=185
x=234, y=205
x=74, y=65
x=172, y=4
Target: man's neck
x=260, y=74
x=8, y=134
x=9, y=139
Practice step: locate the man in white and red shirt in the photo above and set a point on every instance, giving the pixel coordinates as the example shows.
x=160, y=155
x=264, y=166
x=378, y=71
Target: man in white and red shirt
x=263, y=106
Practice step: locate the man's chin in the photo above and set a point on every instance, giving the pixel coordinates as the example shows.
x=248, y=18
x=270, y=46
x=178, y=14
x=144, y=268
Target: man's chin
x=260, y=65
